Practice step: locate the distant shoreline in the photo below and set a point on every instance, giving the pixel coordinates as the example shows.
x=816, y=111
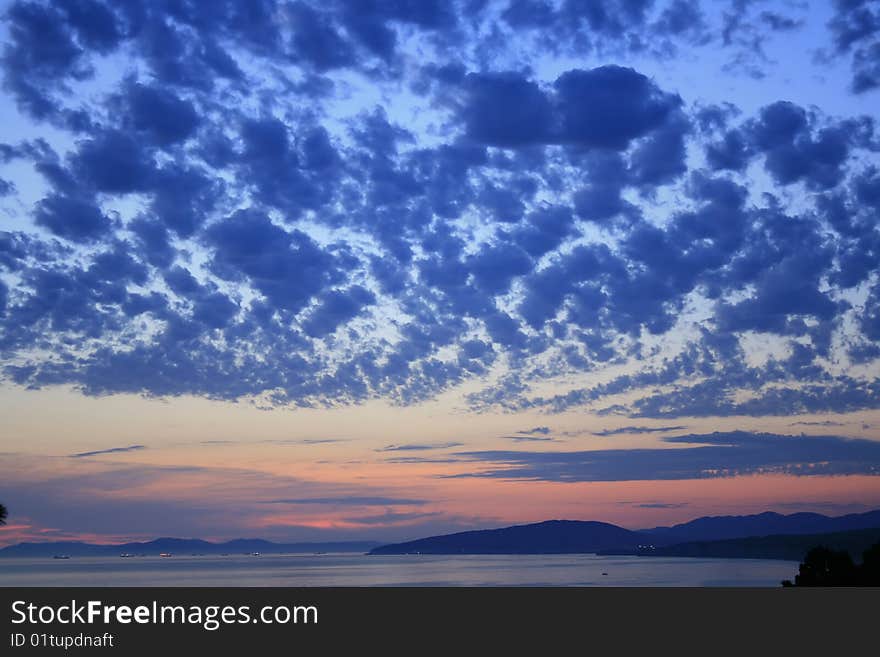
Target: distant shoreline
x=181, y=547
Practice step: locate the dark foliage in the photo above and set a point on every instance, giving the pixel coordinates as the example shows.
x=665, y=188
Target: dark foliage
x=825, y=567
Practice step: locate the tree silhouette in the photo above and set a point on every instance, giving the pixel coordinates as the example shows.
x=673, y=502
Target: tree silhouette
x=826, y=567
x=871, y=565
x=2, y=515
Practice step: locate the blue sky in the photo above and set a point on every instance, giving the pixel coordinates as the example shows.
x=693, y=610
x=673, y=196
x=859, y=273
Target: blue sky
x=597, y=218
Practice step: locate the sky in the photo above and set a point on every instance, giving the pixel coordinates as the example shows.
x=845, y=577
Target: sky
x=384, y=269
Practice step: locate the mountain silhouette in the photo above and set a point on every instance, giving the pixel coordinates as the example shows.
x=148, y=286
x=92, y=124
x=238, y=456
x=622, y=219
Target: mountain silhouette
x=714, y=528
x=549, y=537
x=575, y=536
x=182, y=546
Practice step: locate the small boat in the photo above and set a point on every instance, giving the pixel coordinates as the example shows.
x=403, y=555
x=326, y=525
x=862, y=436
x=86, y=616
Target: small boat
x=164, y=554
x=61, y=556
x=255, y=554
x=126, y=555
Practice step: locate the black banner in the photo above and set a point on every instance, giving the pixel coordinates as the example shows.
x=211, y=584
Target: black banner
x=547, y=621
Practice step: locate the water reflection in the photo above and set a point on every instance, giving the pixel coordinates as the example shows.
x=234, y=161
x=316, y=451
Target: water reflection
x=404, y=570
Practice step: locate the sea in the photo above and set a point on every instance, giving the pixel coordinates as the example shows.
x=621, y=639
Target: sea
x=396, y=570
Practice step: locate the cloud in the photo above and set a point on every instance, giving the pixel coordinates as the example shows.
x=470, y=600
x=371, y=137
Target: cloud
x=840, y=396
x=115, y=162
x=606, y=107
x=542, y=431
x=422, y=459
x=353, y=500
x=40, y=55
x=637, y=429
x=390, y=517
x=77, y=219
x=287, y=267
x=418, y=447
x=160, y=115
x=322, y=441
x=855, y=27
x=337, y=307
x=109, y=450
x=229, y=214
x=698, y=457
x=316, y=40
x=819, y=423
x=487, y=122
x=141, y=502
x=657, y=505
x=526, y=439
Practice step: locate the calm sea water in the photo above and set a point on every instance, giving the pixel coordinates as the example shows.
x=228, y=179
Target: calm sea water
x=405, y=570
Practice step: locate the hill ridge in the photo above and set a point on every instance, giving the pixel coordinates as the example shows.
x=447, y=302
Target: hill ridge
x=586, y=536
